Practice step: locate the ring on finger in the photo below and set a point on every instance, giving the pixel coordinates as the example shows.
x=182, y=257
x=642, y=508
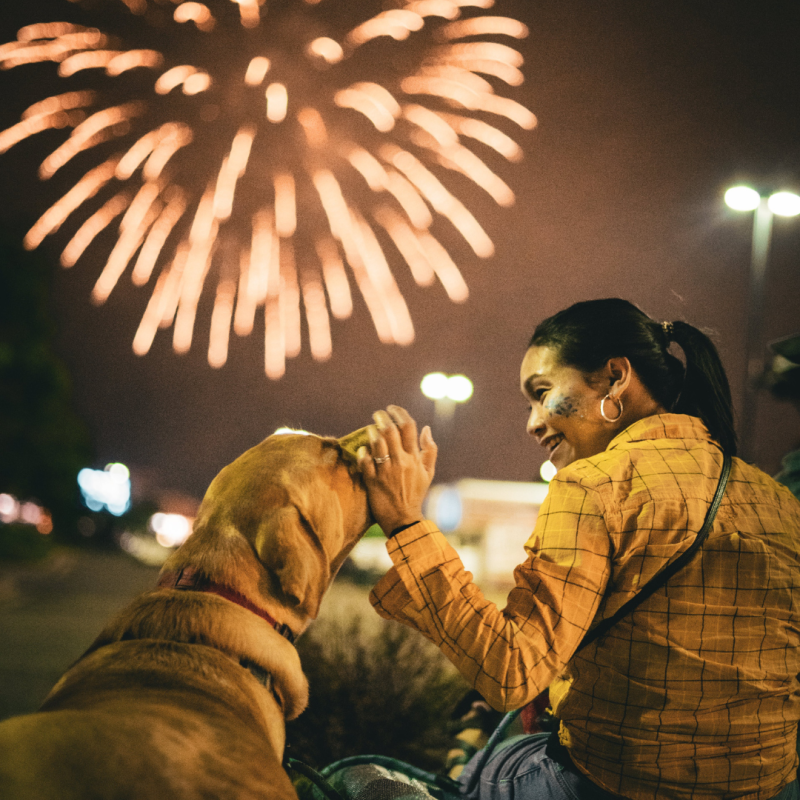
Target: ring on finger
x=381, y=459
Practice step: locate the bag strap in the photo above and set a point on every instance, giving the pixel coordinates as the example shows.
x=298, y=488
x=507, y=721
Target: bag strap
x=662, y=577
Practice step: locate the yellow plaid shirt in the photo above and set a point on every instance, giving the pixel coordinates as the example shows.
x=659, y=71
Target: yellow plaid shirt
x=693, y=695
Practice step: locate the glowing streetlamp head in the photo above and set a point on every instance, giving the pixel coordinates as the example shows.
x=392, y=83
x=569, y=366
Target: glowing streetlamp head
x=434, y=385
x=438, y=386
x=784, y=204
x=742, y=198
x=459, y=388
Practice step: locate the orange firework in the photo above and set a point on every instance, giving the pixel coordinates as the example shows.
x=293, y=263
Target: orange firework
x=276, y=149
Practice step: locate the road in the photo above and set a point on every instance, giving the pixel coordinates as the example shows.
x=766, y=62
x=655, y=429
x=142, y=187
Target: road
x=52, y=611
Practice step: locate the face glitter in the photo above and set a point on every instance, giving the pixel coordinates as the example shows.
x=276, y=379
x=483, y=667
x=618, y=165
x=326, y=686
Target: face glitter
x=562, y=406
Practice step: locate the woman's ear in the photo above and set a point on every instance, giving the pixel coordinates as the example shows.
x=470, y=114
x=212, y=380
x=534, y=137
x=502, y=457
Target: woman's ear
x=619, y=373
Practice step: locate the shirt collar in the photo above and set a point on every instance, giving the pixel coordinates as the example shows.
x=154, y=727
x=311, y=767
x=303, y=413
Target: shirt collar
x=662, y=426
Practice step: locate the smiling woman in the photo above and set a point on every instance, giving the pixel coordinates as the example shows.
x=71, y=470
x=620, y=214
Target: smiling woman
x=584, y=360
x=568, y=415
x=602, y=350
x=693, y=695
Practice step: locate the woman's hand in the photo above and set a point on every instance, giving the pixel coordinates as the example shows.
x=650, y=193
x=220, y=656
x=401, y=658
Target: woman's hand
x=397, y=468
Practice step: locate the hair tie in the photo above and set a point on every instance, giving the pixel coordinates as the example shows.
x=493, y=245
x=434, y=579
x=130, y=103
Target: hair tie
x=668, y=329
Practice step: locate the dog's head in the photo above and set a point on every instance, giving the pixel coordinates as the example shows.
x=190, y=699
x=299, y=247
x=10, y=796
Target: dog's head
x=280, y=520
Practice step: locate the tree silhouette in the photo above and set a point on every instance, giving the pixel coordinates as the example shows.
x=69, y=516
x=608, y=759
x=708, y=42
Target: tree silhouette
x=43, y=442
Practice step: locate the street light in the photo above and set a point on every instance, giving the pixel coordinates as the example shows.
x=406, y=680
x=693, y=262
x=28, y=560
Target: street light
x=784, y=204
x=446, y=391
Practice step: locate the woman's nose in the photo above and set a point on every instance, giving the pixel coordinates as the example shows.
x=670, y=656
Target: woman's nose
x=536, y=425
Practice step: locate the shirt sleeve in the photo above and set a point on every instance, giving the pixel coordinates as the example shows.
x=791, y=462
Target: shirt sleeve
x=509, y=655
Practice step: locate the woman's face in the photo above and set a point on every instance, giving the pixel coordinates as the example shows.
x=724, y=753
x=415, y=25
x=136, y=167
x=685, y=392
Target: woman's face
x=565, y=407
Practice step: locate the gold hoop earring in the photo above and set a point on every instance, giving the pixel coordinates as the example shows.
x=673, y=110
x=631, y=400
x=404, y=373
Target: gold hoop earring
x=603, y=408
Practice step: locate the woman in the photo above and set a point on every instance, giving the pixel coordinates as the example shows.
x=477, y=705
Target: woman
x=694, y=694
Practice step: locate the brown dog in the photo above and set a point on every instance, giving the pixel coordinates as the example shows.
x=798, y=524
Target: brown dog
x=184, y=695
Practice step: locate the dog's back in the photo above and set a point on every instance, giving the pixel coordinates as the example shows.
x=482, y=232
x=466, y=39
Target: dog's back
x=145, y=719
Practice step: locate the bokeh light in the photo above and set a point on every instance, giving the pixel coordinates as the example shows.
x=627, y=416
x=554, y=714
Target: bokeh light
x=170, y=530
x=438, y=386
x=108, y=489
x=434, y=385
x=784, y=204
x=548, y=471
x=459, y=388
x=742, y=198
x=25, y=513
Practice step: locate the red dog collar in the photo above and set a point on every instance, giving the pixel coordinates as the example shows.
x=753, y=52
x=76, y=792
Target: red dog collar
x=190, y=579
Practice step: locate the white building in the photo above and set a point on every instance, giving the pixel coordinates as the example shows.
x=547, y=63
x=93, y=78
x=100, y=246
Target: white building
x=488, y=522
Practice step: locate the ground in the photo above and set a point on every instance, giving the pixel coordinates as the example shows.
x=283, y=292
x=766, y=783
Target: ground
x=51, y=612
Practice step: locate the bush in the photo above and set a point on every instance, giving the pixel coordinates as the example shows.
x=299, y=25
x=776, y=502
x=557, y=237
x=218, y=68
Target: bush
x=389, y=692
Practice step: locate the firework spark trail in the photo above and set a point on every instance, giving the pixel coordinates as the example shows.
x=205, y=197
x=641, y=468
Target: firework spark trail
x=325, y=145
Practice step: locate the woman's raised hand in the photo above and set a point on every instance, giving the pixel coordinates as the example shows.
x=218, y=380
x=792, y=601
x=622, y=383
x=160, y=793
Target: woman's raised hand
x=398, y=468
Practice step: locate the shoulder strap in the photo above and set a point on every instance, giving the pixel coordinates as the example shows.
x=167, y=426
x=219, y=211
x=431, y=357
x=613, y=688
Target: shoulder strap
x=662, y=577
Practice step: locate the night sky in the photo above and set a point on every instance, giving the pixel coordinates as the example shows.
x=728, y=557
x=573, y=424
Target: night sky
x=647, y=112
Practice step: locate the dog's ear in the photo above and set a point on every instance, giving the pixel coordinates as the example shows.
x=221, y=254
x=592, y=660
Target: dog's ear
x=352, y=441
x=295, y=560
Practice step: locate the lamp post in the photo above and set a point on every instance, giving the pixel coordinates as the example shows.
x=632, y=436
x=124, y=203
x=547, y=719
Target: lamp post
x=784, y=204
x=446, y=391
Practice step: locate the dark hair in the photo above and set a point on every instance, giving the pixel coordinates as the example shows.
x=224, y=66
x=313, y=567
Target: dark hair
x=586, y=335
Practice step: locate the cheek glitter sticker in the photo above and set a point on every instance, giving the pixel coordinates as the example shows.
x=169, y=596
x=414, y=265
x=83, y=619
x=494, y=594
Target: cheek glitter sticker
x=562, y=406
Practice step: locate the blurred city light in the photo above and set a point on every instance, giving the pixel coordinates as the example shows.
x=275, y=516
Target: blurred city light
x=28, y=513
x=434, y=385
x=784, y=204
x=109, y=488
x=9, y=508
x=446, y=391
x=171, y=530
x=438, y=386
x=459, y=388
x=742, y=198
x=548, y=471
x=445, y=507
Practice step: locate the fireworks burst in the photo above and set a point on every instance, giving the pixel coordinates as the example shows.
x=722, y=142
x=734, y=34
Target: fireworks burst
x=277, y=150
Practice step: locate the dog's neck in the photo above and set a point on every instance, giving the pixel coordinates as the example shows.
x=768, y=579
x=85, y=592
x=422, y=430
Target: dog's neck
x=189, y=617
x=190, y=579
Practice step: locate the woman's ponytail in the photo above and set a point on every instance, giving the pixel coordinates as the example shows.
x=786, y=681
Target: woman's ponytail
x=705, y=392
